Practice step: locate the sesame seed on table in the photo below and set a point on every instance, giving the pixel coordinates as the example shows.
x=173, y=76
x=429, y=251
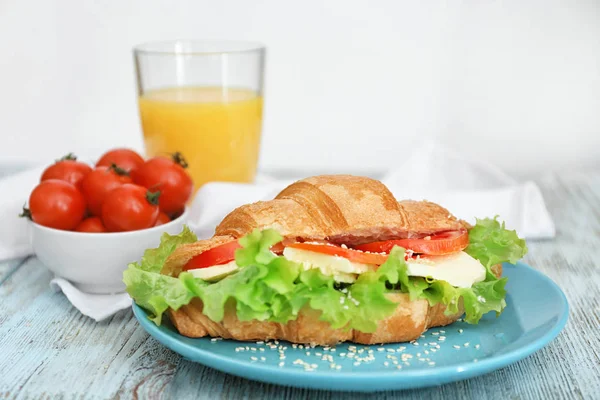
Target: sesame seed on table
x=49, y=350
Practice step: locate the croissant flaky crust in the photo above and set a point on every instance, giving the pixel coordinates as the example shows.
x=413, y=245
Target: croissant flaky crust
x=339, y=208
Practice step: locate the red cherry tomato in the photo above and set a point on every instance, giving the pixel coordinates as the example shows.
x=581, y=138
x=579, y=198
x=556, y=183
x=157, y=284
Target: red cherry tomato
x=216, y=256
x=434, y=245
x=67, y=169
x=130, y=207
x=170, y=177
x=162, y=219
x=98, y=183
x=126, y=159
x=91, y=225
x=56, y=204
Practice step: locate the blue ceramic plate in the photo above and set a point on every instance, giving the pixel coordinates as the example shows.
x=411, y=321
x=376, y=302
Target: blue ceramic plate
x=537, y=311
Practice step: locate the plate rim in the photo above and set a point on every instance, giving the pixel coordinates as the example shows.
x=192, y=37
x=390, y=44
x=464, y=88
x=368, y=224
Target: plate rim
x=334, y=378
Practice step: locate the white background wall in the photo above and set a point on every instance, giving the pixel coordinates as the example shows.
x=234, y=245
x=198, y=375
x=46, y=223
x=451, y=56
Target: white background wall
x=349, y=83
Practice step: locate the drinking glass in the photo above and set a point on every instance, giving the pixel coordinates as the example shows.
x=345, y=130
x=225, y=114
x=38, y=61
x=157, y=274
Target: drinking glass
x=203, y=99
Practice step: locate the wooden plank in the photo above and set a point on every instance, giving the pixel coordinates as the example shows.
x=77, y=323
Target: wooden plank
x=7, y=268
x=49, y=350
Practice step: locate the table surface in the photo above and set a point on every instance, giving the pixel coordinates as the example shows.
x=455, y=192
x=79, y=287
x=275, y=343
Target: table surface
x=49, y=350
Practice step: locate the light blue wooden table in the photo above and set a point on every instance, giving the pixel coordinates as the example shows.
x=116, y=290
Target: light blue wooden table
x=49, y=350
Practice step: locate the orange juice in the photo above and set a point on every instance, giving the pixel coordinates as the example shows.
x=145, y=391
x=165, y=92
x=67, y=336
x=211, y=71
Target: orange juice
x=216, y=129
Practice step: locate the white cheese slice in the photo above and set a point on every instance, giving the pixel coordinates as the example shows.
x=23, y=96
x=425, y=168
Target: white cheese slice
x=458, y=269
x=328, y=264
x=214, y=273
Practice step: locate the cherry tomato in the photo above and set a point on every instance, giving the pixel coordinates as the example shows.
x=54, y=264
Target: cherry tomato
x=126, y=159
x=67, y=169
x=335, y=250
x=170, y=177
x=91, y=225
x=130, y=207
x=162, y=219
x=216, y=256
x=56, y=204
x=98, y=183
x=434, y=245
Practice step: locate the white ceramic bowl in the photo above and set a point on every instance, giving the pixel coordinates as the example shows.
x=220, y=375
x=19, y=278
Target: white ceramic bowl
x=94, y=262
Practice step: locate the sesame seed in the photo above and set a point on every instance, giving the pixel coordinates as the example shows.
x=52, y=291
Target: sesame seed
x=276, y=341
x=391, y=350
x=253, y=349
x=460, y=331
x=442, y=331
x=247, y=348
x=342, y=354
x=422, y=336
x=395, y=362
x=386, y=363
x=361, y=351
x=441, y=338
x=433, y=343
x=281, y=364
x=345, y=307
x=431, y=363
x=435, y=333
x=380, y=349
x=357, y=363
x=399, y=366
x=338, y=367
x=426, y=352
x=314, y=366
x=418, y=354
x=260, y=342
x=300, y=346
x=213, y=339
x=456, y=346
x=333, y=350
x=253, y=358
x=261, y=349
x=326, y=348
x=466, y=344
x=433, y=350
x=294, y=345
x=263, y=359
x=343, y=246
x=318, y=354
x=308, y=353
x=415, y=343
x=475, y=360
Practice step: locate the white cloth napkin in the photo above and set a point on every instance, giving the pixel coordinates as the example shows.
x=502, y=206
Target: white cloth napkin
x=469, y=188
x=96, y=306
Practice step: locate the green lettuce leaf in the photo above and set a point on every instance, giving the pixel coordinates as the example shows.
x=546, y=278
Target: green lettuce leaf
x=268, y=287
x=150, y=289
x=154, y=259
x=491, y=243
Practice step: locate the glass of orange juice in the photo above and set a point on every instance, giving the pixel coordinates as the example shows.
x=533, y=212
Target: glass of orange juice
x=205, y=100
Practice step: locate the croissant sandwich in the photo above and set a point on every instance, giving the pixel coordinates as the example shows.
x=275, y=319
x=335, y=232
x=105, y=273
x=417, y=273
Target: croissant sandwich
x=331, y=259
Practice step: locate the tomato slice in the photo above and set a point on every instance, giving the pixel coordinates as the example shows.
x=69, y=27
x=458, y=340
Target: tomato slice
x=334, y=250
x=435, y=245
x=216, y=256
